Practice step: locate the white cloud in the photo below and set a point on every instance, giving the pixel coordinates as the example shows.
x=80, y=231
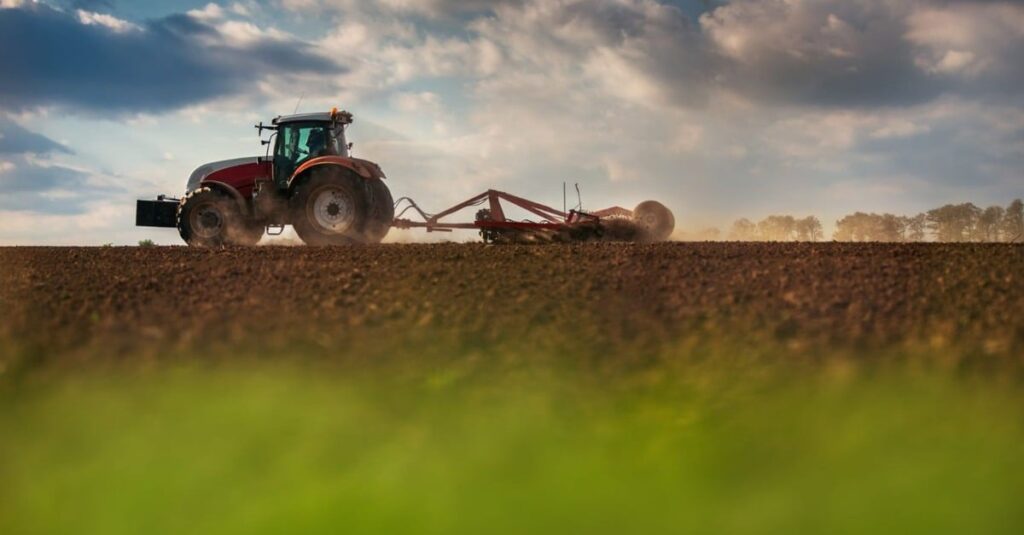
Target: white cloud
x=243, y=10
x=107, y=21
x=898, y=128
x=621, y=171
x=424, y=101
x=104, y=222
x=967, y=38
x=240, y=33
x=955, y=61
x=209, y=12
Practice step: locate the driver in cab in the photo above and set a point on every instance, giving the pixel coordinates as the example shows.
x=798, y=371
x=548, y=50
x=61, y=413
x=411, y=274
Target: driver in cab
x=317, y=145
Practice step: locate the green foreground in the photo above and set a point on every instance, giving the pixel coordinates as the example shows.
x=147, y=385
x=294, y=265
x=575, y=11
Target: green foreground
x=692, y=442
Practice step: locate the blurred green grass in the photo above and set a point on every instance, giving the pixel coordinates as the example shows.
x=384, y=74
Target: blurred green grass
x=718, y=442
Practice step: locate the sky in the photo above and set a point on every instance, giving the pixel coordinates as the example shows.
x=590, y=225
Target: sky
x=720, y=110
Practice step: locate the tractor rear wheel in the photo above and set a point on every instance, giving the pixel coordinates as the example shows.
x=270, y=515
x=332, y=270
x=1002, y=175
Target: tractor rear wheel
x=381, y=211
x=656, y=222
x=209, y=218
x=329, y=208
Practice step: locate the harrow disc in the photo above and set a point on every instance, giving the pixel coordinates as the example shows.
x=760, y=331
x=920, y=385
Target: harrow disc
x=655, y=220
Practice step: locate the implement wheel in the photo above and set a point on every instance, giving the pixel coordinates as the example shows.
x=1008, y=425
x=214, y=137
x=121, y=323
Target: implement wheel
x=655, y=221
x=329, y=208
x=209, y=218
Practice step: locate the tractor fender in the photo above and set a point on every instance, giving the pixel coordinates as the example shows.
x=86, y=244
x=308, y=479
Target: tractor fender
x=230, y=191
x=363, y=168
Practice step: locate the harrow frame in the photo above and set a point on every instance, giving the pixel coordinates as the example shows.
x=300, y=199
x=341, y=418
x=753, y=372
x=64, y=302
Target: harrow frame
x=551, y=219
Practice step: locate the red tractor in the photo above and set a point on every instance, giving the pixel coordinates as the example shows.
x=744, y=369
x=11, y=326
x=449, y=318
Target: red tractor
x=310, y=182
x=330, y=198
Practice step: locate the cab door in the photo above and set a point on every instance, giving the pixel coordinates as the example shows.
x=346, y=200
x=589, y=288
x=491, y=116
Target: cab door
x=296, y=143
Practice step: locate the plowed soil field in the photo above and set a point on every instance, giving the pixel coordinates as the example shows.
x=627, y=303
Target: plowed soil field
x=612, y=300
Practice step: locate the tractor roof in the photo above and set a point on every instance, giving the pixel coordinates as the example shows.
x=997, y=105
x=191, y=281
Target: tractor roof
x=303, y=117
x=343, y=117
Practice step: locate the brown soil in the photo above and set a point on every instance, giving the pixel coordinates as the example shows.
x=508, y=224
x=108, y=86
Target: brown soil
x=598, y=299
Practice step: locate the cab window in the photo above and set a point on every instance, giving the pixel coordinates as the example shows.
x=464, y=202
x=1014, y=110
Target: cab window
x=297, y=143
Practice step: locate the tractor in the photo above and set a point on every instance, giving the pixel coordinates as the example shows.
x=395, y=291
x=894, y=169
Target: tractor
x=309, y=181
x=313, y=183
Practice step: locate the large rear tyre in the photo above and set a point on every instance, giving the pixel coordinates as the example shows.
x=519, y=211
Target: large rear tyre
x=656, y=222
x=209, y=218
x=329, y=208
x=381, y=211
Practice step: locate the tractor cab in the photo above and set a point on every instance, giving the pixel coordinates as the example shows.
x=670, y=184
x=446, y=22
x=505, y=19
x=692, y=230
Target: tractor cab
x=304, y=137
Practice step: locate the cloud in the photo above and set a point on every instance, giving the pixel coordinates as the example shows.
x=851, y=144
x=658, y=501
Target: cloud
x=778, y=99
x=29, y=184
x=211, y=11
x=100, y=19
x=14, y=139
x=865, y=53
x=32, y=181
x=848, y=53
x=32, y=176
x=102, y=64
x=834, y=53
x=423, y=8
x=973, y=42
x=98, y=222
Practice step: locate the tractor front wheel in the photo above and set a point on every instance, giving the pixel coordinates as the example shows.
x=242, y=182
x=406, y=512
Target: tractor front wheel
x=208, y=218
x=329, y=208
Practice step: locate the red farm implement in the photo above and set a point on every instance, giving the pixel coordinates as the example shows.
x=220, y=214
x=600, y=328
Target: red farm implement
x=649, y=221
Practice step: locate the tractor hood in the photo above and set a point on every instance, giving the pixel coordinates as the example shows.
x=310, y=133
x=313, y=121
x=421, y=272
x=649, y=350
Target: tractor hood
x=206, y=170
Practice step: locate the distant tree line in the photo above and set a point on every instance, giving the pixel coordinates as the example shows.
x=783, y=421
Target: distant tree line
x=777, y=228
x=950, y=223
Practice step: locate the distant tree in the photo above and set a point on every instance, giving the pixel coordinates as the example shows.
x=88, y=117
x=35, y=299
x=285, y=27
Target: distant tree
x=846, y=228
x=1013, y=221
x=989, y=224
x=777, y=228
x=743, y=230
x=916, y=227
x=146, y=243
x=969, y=215
x=872, y=227
x=954, y=222
x=888, y=228
x=809, y=229
x=856, y=227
